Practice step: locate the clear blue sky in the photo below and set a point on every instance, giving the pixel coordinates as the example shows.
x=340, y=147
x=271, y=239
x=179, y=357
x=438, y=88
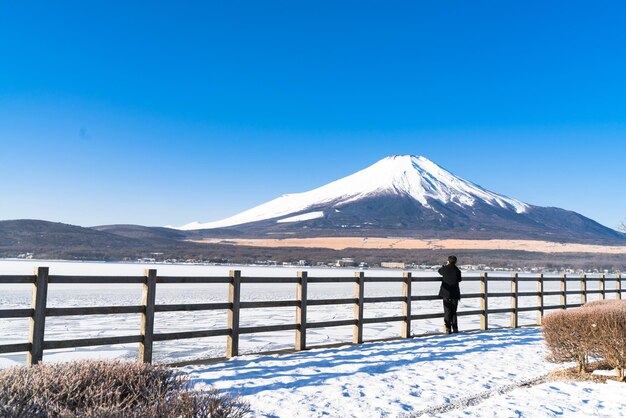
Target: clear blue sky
x=168, y=113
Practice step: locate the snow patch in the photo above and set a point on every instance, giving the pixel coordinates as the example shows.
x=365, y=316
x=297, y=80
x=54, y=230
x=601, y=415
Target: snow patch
x=303, y=217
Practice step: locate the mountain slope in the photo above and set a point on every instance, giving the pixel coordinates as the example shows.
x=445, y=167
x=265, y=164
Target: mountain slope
x=401, y=175
x=407, y=196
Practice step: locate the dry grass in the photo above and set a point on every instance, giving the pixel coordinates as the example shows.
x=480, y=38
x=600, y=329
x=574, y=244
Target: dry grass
x=573, y=375
x=342, y=243
x=108, y=389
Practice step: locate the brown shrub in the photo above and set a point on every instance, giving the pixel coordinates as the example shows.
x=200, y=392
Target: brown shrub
x=108, y=389
x=605, y=302
x=609, y=324
x=568, y=335
x=599, y=330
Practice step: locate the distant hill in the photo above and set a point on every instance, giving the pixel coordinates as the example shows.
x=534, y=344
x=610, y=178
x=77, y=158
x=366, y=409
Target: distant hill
x=52, y=240
x=142, y=232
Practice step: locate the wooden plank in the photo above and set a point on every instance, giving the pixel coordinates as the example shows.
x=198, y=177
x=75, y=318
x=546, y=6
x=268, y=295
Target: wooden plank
x=563, y=292
x=426, y=297
x=329, y=324
x=573, y=292
x=552, y=293
x=16, y=313
x=523, y=294
x=484, y=301
x=493, y=278
x=470, y=295
x=17, y=279
x=37, y=322
x=148, y=298
x=192, y=280
x=269, y=304
x=469, y=313
x=426, y=316
x=14, y=348
x=501, y=310
x=183, y=307
x=618, y=286
x=94, y=310
x=371, y=279
x=499, y=294
x=406, y=305
x=324, y=302
x=383, y=319
x=552, y=279
x=184, y=335
x=602, y=287
x=540, y=299
x=526, y=279
x=234, y=296
x=330, y=279
x=528, y=309
x=359, y=294
x=384, y=299
x=432, y=279
x=301, y=310
x=269, y=280
x=96, y=279
x=268, y=328
x=88, y=342
x=514, y=301
x=552, y=307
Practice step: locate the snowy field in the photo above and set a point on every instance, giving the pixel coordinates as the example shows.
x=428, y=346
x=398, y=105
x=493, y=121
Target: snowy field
x=473, y=374
x=469, y=374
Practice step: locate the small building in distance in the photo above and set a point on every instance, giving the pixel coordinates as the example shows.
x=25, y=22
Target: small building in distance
x=392, y=265
x=346, y=262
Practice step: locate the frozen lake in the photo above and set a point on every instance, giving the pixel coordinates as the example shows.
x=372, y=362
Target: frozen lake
x=74, y=295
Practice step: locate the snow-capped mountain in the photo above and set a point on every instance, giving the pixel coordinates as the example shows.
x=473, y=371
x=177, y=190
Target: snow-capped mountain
x=407, y=195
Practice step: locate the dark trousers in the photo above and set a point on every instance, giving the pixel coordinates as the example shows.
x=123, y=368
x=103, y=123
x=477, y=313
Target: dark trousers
x=449, y=314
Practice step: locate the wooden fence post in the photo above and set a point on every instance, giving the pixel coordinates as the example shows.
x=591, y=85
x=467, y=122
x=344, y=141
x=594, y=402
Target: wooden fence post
x=602, y=287
x=37, y=322
x=583, y=289
x=148, y=297
x=484, y=302
x=359, y=294
x=234, y=296
x=540, y=299
x=618, y=286
x=301, y=296
x=563, y=288
x=514, y=301
x=406, y=305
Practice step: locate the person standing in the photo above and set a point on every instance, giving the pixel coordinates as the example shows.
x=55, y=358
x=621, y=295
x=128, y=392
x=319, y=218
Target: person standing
x=450, y=293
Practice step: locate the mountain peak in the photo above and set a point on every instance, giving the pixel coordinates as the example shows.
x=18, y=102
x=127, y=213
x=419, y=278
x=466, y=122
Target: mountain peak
x=410, y=176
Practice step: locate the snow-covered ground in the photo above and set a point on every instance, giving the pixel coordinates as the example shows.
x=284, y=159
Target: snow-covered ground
x=434, y=376
x=374, y=379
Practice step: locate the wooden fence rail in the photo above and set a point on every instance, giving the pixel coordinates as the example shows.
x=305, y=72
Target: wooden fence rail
x=147, y=337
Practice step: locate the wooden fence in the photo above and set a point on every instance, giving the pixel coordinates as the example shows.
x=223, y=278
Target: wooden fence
x=147, y=337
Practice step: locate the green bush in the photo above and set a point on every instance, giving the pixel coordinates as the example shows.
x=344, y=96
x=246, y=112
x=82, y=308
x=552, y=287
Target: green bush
x=108, y=389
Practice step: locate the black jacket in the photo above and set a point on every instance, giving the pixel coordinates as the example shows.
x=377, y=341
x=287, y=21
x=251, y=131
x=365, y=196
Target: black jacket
x=450, y=282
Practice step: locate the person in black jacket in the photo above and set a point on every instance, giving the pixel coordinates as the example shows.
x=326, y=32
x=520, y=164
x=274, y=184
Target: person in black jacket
x=450, y=293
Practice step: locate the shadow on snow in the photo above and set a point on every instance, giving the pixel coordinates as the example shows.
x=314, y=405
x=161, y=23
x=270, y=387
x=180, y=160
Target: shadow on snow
x=368, y=358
